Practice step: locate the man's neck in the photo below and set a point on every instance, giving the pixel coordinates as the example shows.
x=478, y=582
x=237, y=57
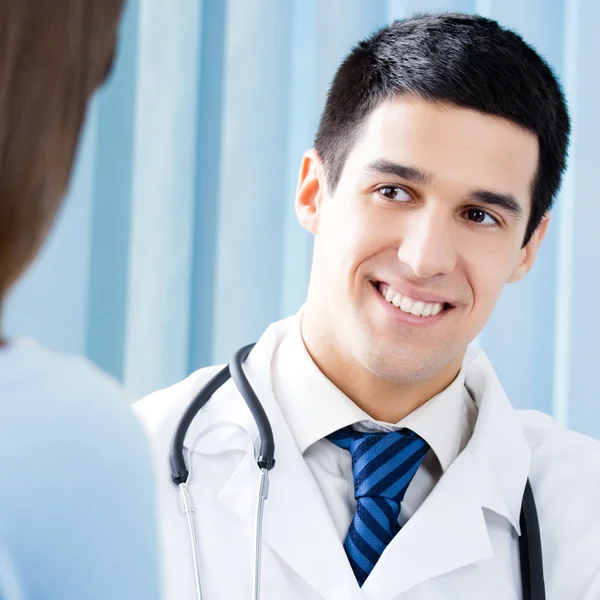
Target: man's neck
x=384, y=400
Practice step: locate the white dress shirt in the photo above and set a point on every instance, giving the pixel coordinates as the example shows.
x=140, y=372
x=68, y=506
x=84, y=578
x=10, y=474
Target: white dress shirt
x=314, y=407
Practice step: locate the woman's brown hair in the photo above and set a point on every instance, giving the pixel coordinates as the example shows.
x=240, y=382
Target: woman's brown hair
x=53, y=56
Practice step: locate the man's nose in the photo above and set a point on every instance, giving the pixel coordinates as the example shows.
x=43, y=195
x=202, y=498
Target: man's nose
x=427, y=246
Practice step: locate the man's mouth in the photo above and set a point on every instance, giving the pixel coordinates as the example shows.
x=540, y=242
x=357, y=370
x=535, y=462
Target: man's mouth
x=413, y=306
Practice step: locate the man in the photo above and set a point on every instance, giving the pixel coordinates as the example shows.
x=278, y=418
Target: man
x=400, y=464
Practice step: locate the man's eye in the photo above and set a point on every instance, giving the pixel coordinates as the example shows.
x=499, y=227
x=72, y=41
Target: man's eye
x=481, y=217
x=391, y=192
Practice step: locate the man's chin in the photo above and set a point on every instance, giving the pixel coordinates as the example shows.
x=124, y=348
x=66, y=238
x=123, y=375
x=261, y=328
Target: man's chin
x=399, y=363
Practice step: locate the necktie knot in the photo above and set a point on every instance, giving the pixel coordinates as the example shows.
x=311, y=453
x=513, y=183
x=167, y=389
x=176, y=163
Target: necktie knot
x=383, y=465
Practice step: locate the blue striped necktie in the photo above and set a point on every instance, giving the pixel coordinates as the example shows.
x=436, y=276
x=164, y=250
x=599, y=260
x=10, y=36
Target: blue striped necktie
x=383, y=465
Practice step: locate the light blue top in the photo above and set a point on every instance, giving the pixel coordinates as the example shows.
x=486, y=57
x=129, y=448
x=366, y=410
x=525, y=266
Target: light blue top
x=77, y=495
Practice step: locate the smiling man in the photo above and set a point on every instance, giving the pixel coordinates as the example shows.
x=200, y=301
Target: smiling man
x=417, y=233
x=401, y=467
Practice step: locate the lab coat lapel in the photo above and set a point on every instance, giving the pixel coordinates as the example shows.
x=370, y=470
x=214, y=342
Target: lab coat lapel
x=498, y=441
x=297, y=525
x=449, y=530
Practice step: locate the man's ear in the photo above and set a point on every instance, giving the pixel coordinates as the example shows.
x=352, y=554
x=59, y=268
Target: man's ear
x=310, y=191
x=529, y=251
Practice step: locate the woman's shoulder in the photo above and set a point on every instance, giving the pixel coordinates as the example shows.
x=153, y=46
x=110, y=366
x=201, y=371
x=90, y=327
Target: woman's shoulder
x=48, y=385
x=55, y=406
x=26, y=364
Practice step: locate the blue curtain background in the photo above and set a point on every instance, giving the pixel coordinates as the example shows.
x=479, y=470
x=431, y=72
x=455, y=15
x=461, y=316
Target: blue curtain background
x=177, y=242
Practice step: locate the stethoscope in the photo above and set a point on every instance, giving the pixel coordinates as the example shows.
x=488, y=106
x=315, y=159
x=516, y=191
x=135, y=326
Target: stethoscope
x=530, y=545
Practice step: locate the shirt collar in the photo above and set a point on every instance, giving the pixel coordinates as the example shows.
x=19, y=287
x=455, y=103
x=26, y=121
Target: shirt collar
x=314, y=407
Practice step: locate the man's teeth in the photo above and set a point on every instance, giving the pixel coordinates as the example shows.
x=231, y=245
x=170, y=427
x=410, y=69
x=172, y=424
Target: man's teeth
x=418, y=308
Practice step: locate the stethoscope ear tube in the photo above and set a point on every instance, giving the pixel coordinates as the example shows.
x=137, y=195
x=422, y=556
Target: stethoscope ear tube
x=266, y=458
x=530, y=549
x=266, y=455
x=179, y=470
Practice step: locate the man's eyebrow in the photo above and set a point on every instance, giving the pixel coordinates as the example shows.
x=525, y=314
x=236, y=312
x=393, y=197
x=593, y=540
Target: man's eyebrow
x=505, y=201
x=387, y=167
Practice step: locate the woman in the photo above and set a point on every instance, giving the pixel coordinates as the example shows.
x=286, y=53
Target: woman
x=77, y=514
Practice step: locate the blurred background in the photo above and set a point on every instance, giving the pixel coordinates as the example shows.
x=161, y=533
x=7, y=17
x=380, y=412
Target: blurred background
x=178, y=241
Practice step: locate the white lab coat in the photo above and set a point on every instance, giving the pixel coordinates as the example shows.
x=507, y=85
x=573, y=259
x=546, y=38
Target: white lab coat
x=460, y=544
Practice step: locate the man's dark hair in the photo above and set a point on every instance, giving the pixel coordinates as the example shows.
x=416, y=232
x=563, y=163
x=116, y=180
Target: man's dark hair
x=466, y=60
x=53, y=56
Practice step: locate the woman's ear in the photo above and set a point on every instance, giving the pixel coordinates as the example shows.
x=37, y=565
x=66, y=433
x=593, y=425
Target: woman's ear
x=529, y=251
x=309, y=194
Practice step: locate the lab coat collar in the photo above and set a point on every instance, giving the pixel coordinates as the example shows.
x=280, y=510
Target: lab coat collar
x=498, y=442
x=447, y=532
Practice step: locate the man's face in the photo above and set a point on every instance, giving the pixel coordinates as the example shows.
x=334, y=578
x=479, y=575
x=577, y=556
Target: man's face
x=423, y=230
